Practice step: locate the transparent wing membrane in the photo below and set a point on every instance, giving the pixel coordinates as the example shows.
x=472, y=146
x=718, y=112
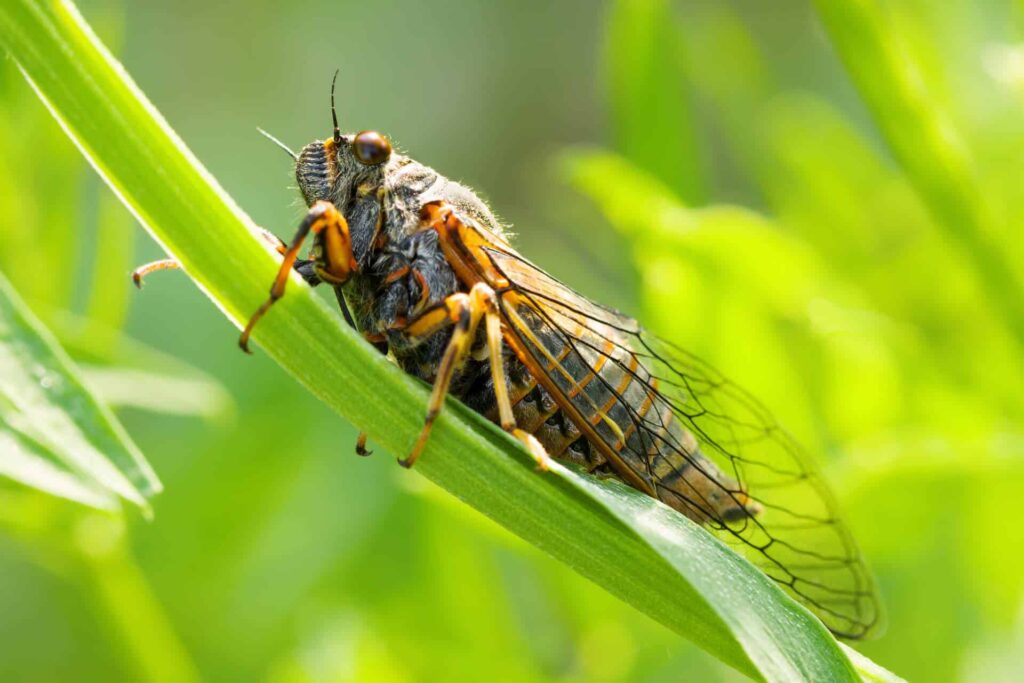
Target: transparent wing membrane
x=695, y=440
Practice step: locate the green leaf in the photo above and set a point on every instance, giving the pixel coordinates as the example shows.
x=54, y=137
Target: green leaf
x=651, y=113
x=157, y=392
x=125, y=373
x=784, y=640
x=923, y=138
x=628, y=543
x=36, y=222
x=54, y=435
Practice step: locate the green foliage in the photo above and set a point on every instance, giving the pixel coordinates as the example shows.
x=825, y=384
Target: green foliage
x=643, y=61
x=858, y=268
x=895, y=86
x=705, y=592
x=54, y=435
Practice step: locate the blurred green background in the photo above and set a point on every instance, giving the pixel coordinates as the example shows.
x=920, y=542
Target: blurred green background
x=707, y=166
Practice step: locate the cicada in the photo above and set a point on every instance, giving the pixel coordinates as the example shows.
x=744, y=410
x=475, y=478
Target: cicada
x=426, y=273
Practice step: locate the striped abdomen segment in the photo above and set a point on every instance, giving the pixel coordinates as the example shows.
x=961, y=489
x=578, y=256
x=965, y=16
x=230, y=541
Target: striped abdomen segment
x=597, y=403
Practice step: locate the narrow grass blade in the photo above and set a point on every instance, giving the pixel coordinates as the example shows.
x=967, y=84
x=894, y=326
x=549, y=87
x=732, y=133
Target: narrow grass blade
x=54, y=435
x=156, y=392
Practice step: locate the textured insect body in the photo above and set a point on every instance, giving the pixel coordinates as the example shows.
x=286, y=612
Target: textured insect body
x=400, y=269
x=431, y=279
x=583, y=391
x=575, y=401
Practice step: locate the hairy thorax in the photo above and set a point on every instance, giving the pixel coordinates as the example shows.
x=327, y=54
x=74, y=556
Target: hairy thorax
x=402, y=270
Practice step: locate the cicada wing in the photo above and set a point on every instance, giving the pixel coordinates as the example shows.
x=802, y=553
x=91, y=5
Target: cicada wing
x=674, y=414
x=797, y=537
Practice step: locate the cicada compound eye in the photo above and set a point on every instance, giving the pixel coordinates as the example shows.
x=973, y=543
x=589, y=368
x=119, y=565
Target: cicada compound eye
x=371, y=148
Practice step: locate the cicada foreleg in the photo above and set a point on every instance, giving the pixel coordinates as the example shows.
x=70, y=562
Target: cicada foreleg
x=322, y=218
x=465, y=312
x=163, y=264
x=140, y=273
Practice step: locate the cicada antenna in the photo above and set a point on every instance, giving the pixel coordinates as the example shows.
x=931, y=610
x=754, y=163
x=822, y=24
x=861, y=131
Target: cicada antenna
x=277, y=142
x=334, y=113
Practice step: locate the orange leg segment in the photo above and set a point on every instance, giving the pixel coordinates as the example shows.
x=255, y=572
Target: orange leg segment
x=322, y=218
x=465, y=311
x=506, y=418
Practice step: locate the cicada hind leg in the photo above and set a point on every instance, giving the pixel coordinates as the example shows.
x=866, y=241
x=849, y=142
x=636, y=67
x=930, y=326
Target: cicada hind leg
x=464, y=312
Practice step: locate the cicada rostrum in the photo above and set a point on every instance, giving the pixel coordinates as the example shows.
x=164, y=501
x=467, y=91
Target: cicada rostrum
x=425, y=272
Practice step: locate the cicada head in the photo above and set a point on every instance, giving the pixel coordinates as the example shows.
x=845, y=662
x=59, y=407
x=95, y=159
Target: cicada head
x=330, y=169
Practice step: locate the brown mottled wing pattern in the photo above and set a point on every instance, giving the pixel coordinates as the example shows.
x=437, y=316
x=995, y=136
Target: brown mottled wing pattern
x=666, y=414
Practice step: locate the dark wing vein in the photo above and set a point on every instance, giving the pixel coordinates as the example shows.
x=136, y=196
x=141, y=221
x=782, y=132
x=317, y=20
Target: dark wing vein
x=694, y=415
